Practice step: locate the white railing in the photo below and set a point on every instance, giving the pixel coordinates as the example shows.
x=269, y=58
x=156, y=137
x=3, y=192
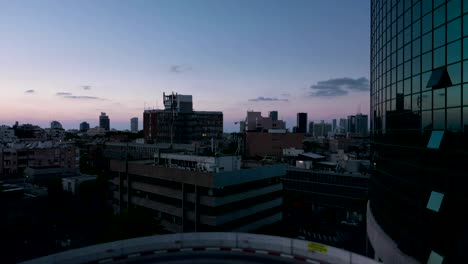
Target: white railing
x=173, y=242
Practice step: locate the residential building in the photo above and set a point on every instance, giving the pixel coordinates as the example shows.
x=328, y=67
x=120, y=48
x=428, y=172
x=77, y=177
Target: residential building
x=134, y=124
x=255, y=122
x=7, y=134
x=419, y=132
x=104, y=121
x=301, y=123
x=84, y=126
x=191, y=193
x=179, y=123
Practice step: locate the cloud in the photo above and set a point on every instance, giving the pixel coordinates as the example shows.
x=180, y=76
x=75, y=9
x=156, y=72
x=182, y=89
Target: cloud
x=83, y=97
x=86, y=87
x=62, y=94
x=285, y=94
x=180, y=68
x=30, y=91
x=339, y=86
x=268, y=99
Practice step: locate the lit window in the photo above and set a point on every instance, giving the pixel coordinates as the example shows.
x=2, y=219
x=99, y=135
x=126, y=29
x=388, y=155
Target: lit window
x=435, y=140
x=435, y=258
x=435, y=200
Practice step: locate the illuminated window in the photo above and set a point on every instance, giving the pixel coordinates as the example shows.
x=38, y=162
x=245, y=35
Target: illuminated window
x=435, y=200
x=435, y=140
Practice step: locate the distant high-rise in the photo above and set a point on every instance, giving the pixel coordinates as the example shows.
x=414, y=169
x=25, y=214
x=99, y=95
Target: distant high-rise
x=334, y=125
x=273, y=115
x=321, y=129
x=351, y=124
x=301, y=122
x=55, y=125
x=362, y=126
x=134, y=124
x=104, y=121
x=311, y=128
x=344, y=124
x=84, y=126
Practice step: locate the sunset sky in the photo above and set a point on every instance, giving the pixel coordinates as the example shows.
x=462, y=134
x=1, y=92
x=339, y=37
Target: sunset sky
x=71, y=60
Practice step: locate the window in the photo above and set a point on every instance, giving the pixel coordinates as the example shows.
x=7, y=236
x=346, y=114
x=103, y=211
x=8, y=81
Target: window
x=417, y=11
x=426, y=100
x=454, y=52
x=454, y=119
x=439, y=37
x=439, y=57
x=417, y=29
x=439, y=78
x=453, y=9
x=416, y=65
x=454, y=96
x=427, y=62
x=427, y=42
x=439, y=98
x=439, y=119
x=427, y=23
x=435, y=258
x=454, y=71
x=439, y=16
x=465, y=24
x=434, y=143
x=454, y=30
x=426, y=120
x=465, y=94
x=416, y=47
x=426, y=7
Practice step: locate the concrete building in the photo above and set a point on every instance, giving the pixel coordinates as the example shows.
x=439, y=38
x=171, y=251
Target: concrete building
x=260, y=145
x=104, y=121
x=301, y=123
x=134, y=124
x=255, y=122
x=84, y=126
x=322, y=129
x=72, y=184
x=178, y=123
x=7, y=134
x=191, y=193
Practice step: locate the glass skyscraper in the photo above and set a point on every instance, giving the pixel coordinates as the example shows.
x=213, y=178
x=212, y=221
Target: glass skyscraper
x=419, y=121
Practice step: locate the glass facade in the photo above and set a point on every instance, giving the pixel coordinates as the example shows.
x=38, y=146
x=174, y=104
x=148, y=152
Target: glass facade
x=419, y=85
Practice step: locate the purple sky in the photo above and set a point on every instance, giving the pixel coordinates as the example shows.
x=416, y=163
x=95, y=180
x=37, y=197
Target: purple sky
x=71, y=60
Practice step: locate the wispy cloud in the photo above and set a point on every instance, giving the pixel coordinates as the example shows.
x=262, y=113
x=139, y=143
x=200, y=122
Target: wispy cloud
x=83, y=97
x=62, y=94
x=339, y=86
x=30, y=91
x=180, y=68
x=86, y=87
x=285, y=94
x=267, y=99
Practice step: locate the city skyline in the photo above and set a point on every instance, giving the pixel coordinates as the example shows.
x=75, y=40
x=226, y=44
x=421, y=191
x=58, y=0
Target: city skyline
x=103, y=57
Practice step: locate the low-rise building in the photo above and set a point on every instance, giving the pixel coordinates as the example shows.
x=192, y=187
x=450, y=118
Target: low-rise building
x=72, y=184
x=200, y=193
x=271, y=144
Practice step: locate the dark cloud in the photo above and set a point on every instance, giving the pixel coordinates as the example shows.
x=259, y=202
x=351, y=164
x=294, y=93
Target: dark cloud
x=86, y=87
x=30, y=91
x=339, y=86
x=180, y=68
x=83, y=97
x=62, y=94
x=268, y=99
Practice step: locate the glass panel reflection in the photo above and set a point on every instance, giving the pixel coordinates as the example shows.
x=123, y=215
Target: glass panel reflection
x=426, y=100
x=427, y=42
x=439, y=98
x=465, y=119
x=416, y=84
x=454, y=30
x=439, y=57
x=454, y=96
x=439, y=37
x=439, y=16
x=454, y=119
x=453, y=9
x=427, y=23
x=439, y=119
x=454, y=71
x=454, y=52
x=427, y=62
x=416, y=65
x=426, y=120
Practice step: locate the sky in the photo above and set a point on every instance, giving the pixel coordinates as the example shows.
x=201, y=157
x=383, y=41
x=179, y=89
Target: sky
x=70, y=60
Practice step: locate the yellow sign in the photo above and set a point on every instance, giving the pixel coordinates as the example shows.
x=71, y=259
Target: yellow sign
x=317, y=247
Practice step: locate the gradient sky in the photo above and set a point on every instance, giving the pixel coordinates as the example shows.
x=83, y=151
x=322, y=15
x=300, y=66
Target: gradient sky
x=69, y=60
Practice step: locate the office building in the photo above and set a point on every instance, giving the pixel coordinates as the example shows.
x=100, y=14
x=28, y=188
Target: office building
x=419, y=131
x=84, y=126
x=362, y=127
x=179, y=123
x=351, y=124
x=311, y=128
x=55, y=125
x=321, y=129
x=344, y=125
x=104, y=121
x=273, y=115
x=301, y=123
x=192, y=193
x=134, y=124
x=334, y=125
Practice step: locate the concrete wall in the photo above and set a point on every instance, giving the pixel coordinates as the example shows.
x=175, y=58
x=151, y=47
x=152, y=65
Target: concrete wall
x=293, y=248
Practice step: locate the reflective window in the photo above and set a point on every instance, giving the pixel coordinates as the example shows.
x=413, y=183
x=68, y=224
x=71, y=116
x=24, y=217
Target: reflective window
x=435, y=200
x=438, y=3
x=407, y=35
x=453, y=9
x=407, y=18
x=416, y=84
x=465, y=118
x=400, y=56
x=408, y=52
x=454, y=52
x=454, y=118
x=416, y=65
x=439, y=98
x=465, y=71
x=439, y=37
x=454, y=96
x=400, y=73
x=417, y=11
x=454, y=71
x=426, y=120
x=439, y=57
x=465, y=25
x=426, y=6
x=465, y=8
x=425, y=80
x=407, y=102
x=439, y=119
x=435, y=258
x=400, y=40
x=427, y=62
x=427, y=42
x=454, y=30
x=400, y=88
x=407, y=70
x=416, y=105
x=427, y=23
x=407, y=86
x=417, y=29
x=417, y=47
x=434, y=143
x=439, y=16
x=465, y=94
x=426, y=100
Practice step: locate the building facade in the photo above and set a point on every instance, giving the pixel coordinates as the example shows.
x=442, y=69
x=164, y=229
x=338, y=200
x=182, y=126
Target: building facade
x=104, y=121
x=419, y=123
x=134, y=124
x=259, y=145
x=198, y=193
x=84, y=126
x=255, y=122
x=301, y=122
